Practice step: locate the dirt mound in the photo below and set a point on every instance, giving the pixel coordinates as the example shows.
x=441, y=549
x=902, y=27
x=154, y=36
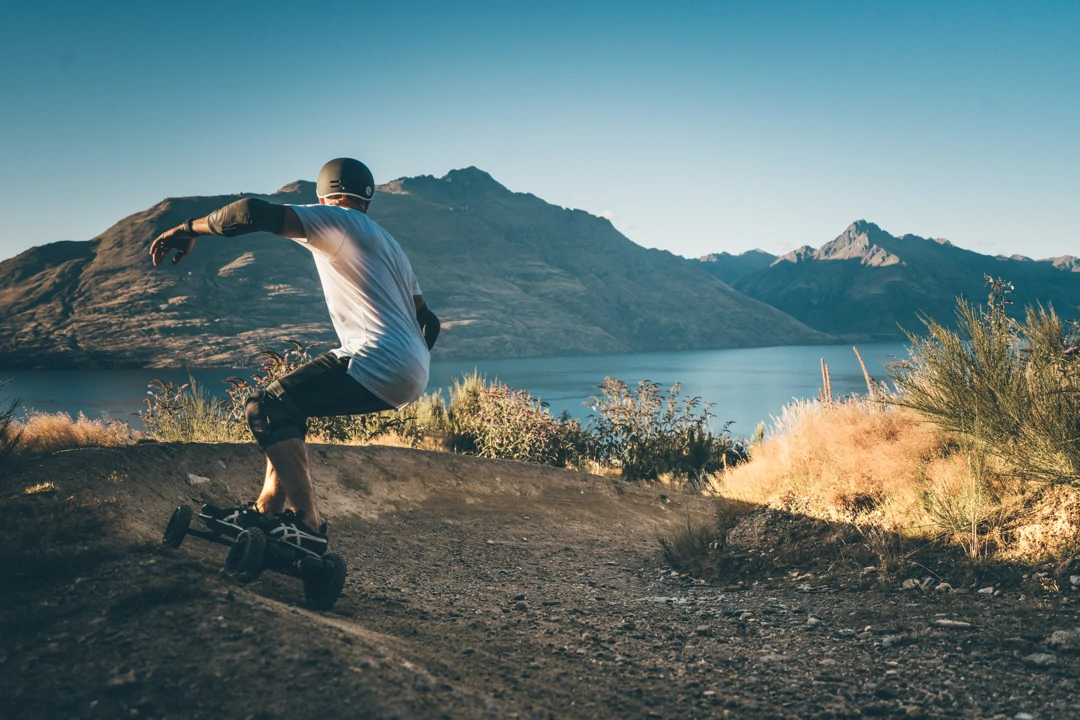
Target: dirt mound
x=476, y=589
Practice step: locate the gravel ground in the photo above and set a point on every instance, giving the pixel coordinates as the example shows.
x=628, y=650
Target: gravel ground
x=541, y=598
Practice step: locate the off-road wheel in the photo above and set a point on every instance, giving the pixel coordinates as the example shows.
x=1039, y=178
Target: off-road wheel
x=177, y=528
x=322, y=589
x=245, y=558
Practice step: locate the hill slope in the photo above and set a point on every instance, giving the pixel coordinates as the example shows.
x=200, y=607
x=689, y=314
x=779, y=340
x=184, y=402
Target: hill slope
x=510, y=275
x=868, y=283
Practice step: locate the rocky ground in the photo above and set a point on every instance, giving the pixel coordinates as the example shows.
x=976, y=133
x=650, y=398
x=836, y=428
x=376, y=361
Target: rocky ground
x=488, y=589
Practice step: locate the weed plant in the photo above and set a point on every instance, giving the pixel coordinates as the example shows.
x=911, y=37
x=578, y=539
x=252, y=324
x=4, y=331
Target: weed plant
x=646, y=432
x=1010, y=386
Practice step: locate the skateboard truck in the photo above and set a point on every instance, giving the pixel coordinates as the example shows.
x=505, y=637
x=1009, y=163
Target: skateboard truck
x=252, y=552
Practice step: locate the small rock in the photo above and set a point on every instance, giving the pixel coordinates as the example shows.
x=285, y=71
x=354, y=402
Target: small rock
x=868, y=570
x=953, y=624
x=891, y=640
x=1065, y=640
x=1023, y=716
x=914, y=711
x=944, y=587
x=521, y=606
x=909, y=584
x=519, y=596
x=222, y=465
x=703, y=630
x=197, y=479
x=772, y=657
x=1040, y=660
x=927, y=583
x=812, y=621
x=122, y=679
x=988, y=590
x=1074, y=580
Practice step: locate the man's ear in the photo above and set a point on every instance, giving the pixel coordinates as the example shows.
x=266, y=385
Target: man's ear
x=322, y=201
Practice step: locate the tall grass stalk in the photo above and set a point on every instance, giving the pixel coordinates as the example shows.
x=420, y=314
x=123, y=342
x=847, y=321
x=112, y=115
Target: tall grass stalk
x=1012, y=387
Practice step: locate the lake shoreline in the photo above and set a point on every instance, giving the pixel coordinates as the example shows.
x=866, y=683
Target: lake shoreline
x=747, y=385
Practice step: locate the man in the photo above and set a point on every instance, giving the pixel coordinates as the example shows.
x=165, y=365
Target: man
x=385, y=328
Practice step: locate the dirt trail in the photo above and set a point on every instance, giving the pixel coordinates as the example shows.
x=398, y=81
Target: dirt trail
x=485, y=589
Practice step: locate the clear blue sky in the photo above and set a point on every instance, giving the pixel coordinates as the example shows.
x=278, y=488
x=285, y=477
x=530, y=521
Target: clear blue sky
x=697, y=126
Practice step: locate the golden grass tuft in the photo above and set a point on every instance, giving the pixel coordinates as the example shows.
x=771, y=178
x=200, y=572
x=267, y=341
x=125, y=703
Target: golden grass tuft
x=885, y=468
x=45, y=488
x=844, y=461
x=43, y=433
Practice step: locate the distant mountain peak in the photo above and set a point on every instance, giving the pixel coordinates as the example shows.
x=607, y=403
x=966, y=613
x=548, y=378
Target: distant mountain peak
x=863, y=227
x=1068, y=263
x=797, y=255
x=746, y=254
x=297, y=187
x=863, y=241
x=474, y=176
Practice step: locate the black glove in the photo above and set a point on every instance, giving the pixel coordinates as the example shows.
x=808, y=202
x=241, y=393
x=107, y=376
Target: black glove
x=429, y=325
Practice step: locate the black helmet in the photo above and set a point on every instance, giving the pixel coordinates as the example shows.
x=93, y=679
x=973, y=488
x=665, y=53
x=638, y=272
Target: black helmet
x=345, y=176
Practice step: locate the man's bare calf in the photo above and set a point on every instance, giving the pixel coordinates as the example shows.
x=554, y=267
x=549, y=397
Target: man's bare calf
x=288, y=481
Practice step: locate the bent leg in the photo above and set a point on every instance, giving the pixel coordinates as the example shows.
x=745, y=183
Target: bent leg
x=278, y=420
x=289, y=460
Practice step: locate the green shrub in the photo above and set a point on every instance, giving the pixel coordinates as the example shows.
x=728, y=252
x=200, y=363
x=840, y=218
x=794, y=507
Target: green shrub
x=496, y=421
x=1012, y=387
x=646, y=433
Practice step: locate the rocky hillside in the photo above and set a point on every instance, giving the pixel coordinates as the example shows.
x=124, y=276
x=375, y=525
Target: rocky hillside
x=868, y=284
x=510, y=274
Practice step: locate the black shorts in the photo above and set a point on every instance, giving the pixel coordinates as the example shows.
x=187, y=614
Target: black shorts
x=323, y=388
x=320, y=388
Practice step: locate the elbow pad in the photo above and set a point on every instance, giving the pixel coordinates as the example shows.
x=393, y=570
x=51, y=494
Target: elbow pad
x=429, y=325
x=247, y=216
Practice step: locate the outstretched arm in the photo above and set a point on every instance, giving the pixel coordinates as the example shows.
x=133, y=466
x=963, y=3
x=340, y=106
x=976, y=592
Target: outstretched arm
x=245, y=216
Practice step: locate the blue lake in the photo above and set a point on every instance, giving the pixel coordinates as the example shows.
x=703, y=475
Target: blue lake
x=746, y=385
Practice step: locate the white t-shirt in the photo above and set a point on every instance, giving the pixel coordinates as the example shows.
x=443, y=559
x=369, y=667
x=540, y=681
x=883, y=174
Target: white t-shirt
x=369, y=286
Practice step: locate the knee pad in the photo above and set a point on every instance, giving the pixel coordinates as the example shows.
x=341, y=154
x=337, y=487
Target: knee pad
x=273, y=418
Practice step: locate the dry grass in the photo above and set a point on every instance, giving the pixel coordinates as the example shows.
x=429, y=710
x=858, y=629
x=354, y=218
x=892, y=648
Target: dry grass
x=43, y=433
x=887, y=470
x=846, y=461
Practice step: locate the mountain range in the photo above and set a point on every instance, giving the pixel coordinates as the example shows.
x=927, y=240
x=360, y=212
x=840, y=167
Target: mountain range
x=509, y=274
x=868, y=284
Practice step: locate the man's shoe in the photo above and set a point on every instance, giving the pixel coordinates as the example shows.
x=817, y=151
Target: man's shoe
x=232, y=521
x=291, y=530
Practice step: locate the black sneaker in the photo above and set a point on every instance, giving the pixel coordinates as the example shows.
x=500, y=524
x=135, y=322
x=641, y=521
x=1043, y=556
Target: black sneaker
x=291, y=530
x=231, y=521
